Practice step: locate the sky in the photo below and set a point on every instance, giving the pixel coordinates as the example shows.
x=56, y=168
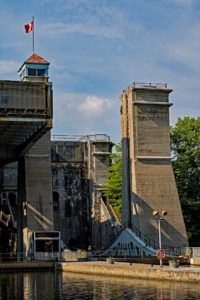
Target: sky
x=96, y=48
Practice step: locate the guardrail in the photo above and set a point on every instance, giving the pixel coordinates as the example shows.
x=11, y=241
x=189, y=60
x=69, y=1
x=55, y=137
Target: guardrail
x=125, y=253
x=93, y=137
x=185, y=252
x=149, y=84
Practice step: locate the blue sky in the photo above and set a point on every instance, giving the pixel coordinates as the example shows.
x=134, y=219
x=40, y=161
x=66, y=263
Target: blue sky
x=98, y=47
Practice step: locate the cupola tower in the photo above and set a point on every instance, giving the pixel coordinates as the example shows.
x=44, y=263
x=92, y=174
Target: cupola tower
x=34, y=68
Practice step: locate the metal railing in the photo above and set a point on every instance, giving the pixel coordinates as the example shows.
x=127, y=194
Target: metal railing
x=132, y=253
x=149, y=84
x=63, y=138
x=82, y=138
x=185, y=252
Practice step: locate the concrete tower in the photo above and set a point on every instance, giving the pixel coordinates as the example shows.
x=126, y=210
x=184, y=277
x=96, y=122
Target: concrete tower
x=148, y=179
x=34, y=166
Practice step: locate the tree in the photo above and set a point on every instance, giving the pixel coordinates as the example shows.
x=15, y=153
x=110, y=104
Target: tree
x=113, y=188
x=185, y=146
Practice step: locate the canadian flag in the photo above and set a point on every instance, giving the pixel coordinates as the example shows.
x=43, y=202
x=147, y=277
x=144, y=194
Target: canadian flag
x=28, y=27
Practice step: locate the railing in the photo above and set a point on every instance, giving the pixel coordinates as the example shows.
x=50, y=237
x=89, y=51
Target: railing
x=63, y=138
x=144, y=237
x=125, y=253
x=149, y=84
x=83, y=138
x=185, y=252
x=96, y=137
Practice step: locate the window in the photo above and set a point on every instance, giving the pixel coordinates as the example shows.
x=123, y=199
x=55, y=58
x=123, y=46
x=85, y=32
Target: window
x=36, y=72
x=31, y=72
x=41, y=72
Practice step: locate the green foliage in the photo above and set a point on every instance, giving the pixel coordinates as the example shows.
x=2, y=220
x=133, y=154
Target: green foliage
x=113, y=189
x=185, y=145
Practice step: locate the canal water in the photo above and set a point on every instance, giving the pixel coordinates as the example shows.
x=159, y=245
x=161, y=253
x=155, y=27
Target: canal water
x=50, y=285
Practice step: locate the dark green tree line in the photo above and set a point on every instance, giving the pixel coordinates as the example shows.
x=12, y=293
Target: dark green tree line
x=185, y=146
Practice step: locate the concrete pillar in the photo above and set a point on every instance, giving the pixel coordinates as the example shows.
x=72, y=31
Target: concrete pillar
x=21, y=200
x=126, y=195
x=148, y=179
x=35, y=191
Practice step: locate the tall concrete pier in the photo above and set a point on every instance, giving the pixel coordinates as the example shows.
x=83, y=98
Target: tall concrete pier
x=148, y=179
x=25, y=121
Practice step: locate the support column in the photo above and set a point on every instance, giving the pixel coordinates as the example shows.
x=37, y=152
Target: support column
x=145, y=124
x=35, y=207
x=21, y=200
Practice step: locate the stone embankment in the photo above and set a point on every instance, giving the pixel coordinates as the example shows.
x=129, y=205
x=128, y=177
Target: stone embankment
x=139, y=271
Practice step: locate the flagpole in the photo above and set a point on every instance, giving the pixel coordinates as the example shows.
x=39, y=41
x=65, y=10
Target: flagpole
x=33, y=32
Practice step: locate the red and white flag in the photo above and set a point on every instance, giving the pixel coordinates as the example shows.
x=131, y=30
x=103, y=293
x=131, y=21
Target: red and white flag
x=28, y=27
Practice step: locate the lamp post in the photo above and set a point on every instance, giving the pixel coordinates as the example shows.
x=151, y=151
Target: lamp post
x=159, y=237
x=160, y=252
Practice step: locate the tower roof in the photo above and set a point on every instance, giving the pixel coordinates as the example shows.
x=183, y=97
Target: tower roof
x=35, y=58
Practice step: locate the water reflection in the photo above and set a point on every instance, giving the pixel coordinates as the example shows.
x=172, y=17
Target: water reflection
x=50, y=285
x=91, y=287
x=30, y=286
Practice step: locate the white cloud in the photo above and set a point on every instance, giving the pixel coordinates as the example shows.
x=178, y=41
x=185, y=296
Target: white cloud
x=59, y=29
x=94, y=106
x=82, y=114
x=8, y=66
x=90, y=106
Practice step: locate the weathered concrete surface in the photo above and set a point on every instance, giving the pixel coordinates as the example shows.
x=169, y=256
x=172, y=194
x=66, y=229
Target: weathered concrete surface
x=139, y=271
x=79, y=173
x=148, y=179
x=35, y=204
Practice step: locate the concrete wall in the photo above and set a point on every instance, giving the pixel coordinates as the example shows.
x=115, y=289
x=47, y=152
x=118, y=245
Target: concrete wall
x=71, y=204
x=134, y=271
x=79, y=171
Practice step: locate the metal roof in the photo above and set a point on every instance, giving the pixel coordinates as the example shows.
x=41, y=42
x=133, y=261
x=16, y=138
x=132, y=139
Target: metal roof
x=35, y=58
